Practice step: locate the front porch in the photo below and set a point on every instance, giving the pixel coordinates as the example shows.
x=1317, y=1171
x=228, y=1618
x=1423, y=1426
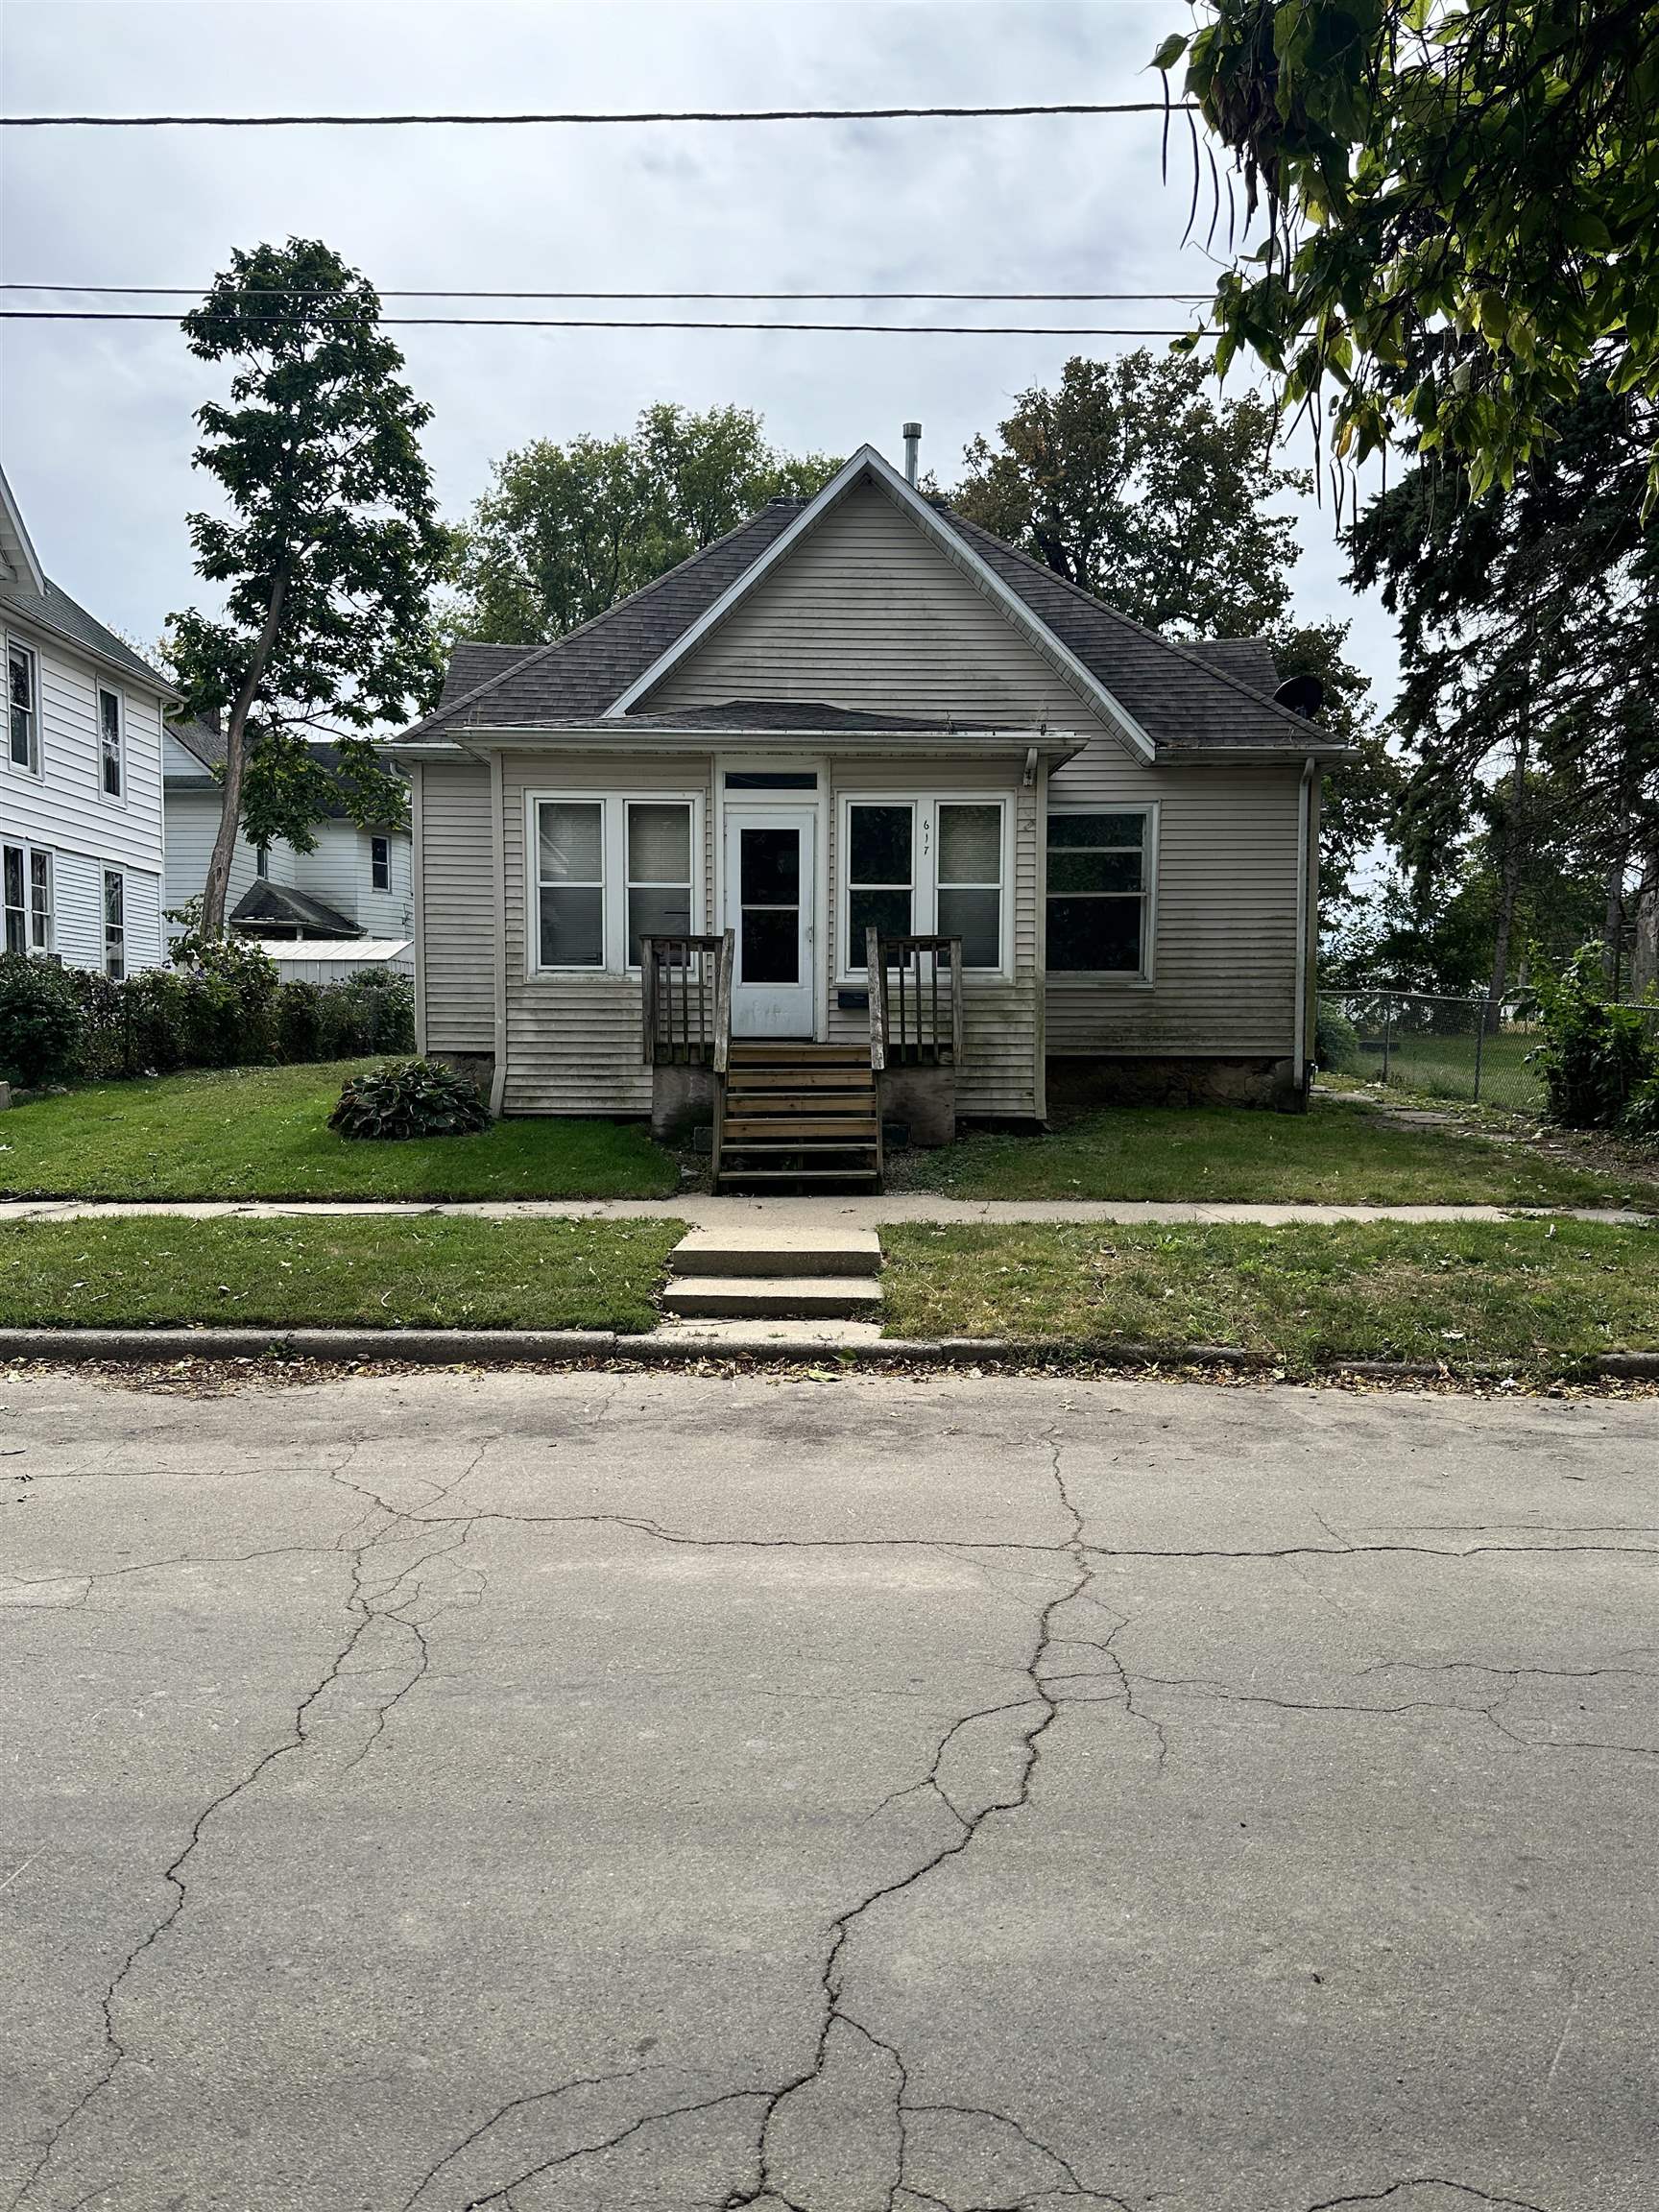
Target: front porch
x=793, y=1111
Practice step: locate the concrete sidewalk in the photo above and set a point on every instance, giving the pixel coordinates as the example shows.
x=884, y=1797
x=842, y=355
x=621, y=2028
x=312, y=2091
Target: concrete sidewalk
x=702, y=1211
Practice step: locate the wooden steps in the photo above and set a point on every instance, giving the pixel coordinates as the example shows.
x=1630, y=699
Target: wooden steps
x=798, y=1113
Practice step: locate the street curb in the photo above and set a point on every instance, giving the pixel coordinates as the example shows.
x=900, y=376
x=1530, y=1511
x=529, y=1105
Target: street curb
x=535, y=1347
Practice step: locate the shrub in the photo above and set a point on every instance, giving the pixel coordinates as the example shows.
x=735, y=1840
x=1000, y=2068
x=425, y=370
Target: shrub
x=228, y=1006
x=375, y=1012
x=1335, y=1040
x=1596, y=1053
x=409, y=1099
x=41, y=1026
x=298, y=1021
x=1640, y=1116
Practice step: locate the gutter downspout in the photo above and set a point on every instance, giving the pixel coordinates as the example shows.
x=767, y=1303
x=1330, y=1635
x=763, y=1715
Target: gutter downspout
x=498, y=873
x=1305, y=922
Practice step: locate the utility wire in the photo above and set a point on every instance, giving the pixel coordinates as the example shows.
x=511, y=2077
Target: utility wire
x=642, y=115
x=461, y=292
x=602, y=323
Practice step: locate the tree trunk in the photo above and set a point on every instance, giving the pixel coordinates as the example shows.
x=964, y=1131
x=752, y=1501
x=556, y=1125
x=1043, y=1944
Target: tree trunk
x=1510, y=891
x=216, y=890
x=1613, y=923
x=1644, y=959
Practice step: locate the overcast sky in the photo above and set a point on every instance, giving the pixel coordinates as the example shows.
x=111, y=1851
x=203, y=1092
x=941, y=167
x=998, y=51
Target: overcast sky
x=95, y=420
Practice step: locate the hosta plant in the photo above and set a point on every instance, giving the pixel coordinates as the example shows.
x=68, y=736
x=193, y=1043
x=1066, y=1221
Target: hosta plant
x=409, y=1099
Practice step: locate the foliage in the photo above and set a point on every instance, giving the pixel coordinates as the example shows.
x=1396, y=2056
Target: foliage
x=372, y=1012
x=1641, y=1116
x=326, y=547
x=1335, y=1040
x=1460, y=210
x=569, y=530
x=1595, y=1054
x=41, y=1024
x=263, y=1133
x=409, y=1099
x=1130, y=481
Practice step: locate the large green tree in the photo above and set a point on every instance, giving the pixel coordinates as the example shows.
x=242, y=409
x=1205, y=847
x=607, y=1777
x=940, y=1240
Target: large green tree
x=1462, y=211
x=566, y=531
x=326, y=547
x=1131, y=480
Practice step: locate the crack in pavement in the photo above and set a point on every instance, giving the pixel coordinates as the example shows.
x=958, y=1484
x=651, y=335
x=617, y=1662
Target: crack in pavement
x=1429, y=2181
x=370, y=1601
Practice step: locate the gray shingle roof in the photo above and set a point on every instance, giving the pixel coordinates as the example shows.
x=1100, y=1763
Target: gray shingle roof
x=206, y=745
x=786, y=716
x=55, y=611
x=472, y=663
x=280, y=903
x=1186, y=697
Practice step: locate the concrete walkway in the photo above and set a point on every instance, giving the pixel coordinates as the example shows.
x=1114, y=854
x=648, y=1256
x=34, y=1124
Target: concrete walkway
x=702, y=1212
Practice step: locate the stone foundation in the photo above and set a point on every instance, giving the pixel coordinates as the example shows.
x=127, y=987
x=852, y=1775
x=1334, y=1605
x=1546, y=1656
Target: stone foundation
x=1074, y=1085
x=681, y=1100
x=478, y=1067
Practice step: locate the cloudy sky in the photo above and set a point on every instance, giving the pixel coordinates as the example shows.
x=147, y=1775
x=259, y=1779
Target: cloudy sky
x=95, y=420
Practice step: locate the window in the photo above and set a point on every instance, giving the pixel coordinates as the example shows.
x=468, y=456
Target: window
x=880, y=875
x=22, y=692
x=1099, y=888
x=659, y=871
x=970, y=880
x=111, y=767
x=114, y=924
x=26, y=878
x=380, y=863
x=571, y=882
x=16, y=907
x=262, y=862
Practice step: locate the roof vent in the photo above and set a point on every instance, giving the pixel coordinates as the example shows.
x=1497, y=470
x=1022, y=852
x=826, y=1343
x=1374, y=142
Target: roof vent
x=912, y=450
x=1303, y=695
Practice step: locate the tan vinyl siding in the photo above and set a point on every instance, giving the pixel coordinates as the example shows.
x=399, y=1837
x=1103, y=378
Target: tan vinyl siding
x=573, y=1042
x=865, y=612
x=456, y=924
x=999, y=1013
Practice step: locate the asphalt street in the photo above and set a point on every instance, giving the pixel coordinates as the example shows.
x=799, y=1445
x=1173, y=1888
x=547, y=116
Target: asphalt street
x=588, y=1791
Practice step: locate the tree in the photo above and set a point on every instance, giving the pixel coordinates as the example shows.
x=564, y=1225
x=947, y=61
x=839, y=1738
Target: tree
x=326, y=550
x=1460, y=211
x=569, y=530
x=1131, y=481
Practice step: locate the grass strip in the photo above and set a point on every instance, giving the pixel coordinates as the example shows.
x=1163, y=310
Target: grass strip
x=428, y=1273
x=1333, y=1155
x=1537, y=1297
x=263, y=1133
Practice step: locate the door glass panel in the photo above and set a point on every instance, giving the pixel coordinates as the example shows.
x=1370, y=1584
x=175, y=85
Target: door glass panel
x=771, y=945
x=976, y=918
x=970, y=845
x=770, y=866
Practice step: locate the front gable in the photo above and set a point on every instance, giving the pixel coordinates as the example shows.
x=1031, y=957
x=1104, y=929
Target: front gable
x=872, y=603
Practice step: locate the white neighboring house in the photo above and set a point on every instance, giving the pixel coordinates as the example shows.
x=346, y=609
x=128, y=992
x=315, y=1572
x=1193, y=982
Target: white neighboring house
x=354, y=885
x=80, y=813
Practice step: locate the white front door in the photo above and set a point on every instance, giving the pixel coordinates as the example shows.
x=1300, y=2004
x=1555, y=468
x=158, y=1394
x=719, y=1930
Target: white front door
x=770, y=860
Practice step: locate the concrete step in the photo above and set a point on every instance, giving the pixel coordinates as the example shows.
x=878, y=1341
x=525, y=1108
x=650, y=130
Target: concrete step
x=774, y=1297
x=783, y=1252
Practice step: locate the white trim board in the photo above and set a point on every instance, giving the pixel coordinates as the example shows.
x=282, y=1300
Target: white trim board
x=868, y=464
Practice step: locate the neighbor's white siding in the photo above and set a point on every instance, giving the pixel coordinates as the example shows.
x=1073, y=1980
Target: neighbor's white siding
x=66, y=812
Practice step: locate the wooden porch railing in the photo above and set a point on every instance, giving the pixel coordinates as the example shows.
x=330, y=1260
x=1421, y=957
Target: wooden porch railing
x=685, y=990
x=915, y=1000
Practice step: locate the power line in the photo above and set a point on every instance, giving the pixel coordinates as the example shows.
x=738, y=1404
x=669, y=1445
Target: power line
x=641, y=115
x=462, y=292
x=611, y=322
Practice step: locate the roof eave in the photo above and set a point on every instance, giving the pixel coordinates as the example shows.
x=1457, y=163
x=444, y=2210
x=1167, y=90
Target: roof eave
x=143, y=673
x=483, y=738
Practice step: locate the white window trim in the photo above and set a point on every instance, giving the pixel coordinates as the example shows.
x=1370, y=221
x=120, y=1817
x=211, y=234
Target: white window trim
x=925, y=809
x=613, y=808
x=379, y=837
x=1144, y=978
x=37, y=773
x=100, y=691
x=120, y=876
x=31, y=853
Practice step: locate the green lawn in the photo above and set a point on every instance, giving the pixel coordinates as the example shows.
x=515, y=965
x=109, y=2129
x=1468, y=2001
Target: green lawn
x=1537, y=1296
x=263, y=1133
x=428, y=1272
x=1332, y=1154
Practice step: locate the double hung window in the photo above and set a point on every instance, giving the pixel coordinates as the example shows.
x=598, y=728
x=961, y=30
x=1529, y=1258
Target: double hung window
x=1099, y=892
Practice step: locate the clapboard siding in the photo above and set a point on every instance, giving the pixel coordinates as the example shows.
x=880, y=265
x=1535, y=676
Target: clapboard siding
x=457, y=956
x=573, y=1042
x=865, y=612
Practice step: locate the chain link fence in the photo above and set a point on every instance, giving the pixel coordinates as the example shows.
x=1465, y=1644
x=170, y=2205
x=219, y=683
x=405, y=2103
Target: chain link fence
x=1442, y=1048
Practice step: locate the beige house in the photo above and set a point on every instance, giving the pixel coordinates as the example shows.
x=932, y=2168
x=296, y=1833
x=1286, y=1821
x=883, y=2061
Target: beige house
x=649, y=858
